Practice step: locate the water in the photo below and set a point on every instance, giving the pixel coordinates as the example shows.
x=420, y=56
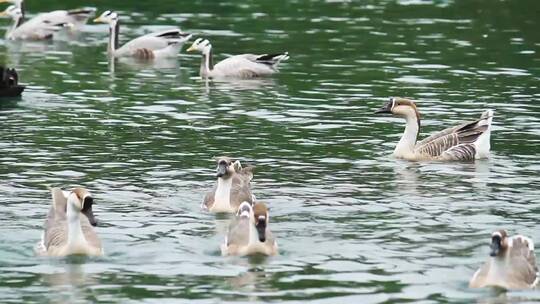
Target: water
x=353, y=224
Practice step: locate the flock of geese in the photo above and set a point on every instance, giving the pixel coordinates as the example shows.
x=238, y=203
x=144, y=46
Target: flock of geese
x=69, y=223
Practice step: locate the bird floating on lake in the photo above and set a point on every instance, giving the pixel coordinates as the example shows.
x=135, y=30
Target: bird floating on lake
x=154, y=45
x=467, y=141
x=240, y=66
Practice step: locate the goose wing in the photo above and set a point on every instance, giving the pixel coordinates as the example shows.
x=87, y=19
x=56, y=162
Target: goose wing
x=241, y=189
x=36, y=29
x=72, y=17
x=209, y=199
x=154, y=41
x=238, y=234
x=523, y=268
x=249, y=65
x=454, y=143
x=89, y=233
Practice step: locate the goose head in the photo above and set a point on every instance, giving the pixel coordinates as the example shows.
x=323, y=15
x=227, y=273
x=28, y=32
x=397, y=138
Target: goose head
x=226, y=167
x=12, y=11
x=109, y=17
x=499, y=243
x=261, y=218
x=401, y=107
x=81, y=200
x=201, y=45
x=257, y=215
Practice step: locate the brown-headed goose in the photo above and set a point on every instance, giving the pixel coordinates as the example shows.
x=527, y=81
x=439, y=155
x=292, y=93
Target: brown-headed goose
x=233, y=187
x=67, y=228
x=150, y=46
x=239, y=66
x=467, y=141
x=249, y=233
x=511, y=265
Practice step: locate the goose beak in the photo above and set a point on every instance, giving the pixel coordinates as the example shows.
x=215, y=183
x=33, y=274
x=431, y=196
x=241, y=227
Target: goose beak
x=221, y=170
x=98, y=19
x=261, y=229
x=387, y=108
x=3, y=14
x=190, y=49
x=495, y=246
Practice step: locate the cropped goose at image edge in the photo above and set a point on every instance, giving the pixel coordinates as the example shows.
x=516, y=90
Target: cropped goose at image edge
x=511, y=265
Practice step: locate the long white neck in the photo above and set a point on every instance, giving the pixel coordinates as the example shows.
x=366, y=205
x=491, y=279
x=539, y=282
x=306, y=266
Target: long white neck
x=114, y=29
x=222, y=197
x=75, y=233
x=206, y=62
x=407, y=142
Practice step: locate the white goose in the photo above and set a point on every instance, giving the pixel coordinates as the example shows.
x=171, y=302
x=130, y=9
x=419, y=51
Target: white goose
x=154, y=45
x=511, y=265
x=33, y=29
x=75, y=18
x=249, y=233
x=467, y=141
x=68, y=231
x=233, y=187
x=240, y=66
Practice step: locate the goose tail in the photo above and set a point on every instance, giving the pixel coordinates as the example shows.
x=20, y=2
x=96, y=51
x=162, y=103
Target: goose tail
x=482, y=144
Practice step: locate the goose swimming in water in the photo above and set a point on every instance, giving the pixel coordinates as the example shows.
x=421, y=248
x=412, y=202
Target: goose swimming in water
x=9, y=83
x=233, y=187
x=154, y=45
x=511, y=265
x=249, y=233
x=75, y=18
x=467, y=141
x=68, y=229
x=240, y=66
x=34, y=29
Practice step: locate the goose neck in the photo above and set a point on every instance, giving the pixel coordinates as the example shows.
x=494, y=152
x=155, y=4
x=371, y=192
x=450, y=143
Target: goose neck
x=75, y=234
x=408, y=141
x=207, y=63
x=114, y=29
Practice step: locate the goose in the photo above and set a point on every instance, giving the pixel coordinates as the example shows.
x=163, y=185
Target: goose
x=249, y=233
x=465, y=142
x=68, y=231
x=239, y=66
x=511, y=265
x=154, y=45
x=232, y=188
x=76, y=18
x=33, y=29
x=9, y=83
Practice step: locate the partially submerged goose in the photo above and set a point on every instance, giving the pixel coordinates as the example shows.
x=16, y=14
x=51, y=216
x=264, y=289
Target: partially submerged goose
x=511, y=265
x=467, y=141
x=249, y=233
x=75, y=18
x=154, y=45
x=233, y=187
x=9, y=83
x=240, y=66
x=33, y=29
x=67, y=228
